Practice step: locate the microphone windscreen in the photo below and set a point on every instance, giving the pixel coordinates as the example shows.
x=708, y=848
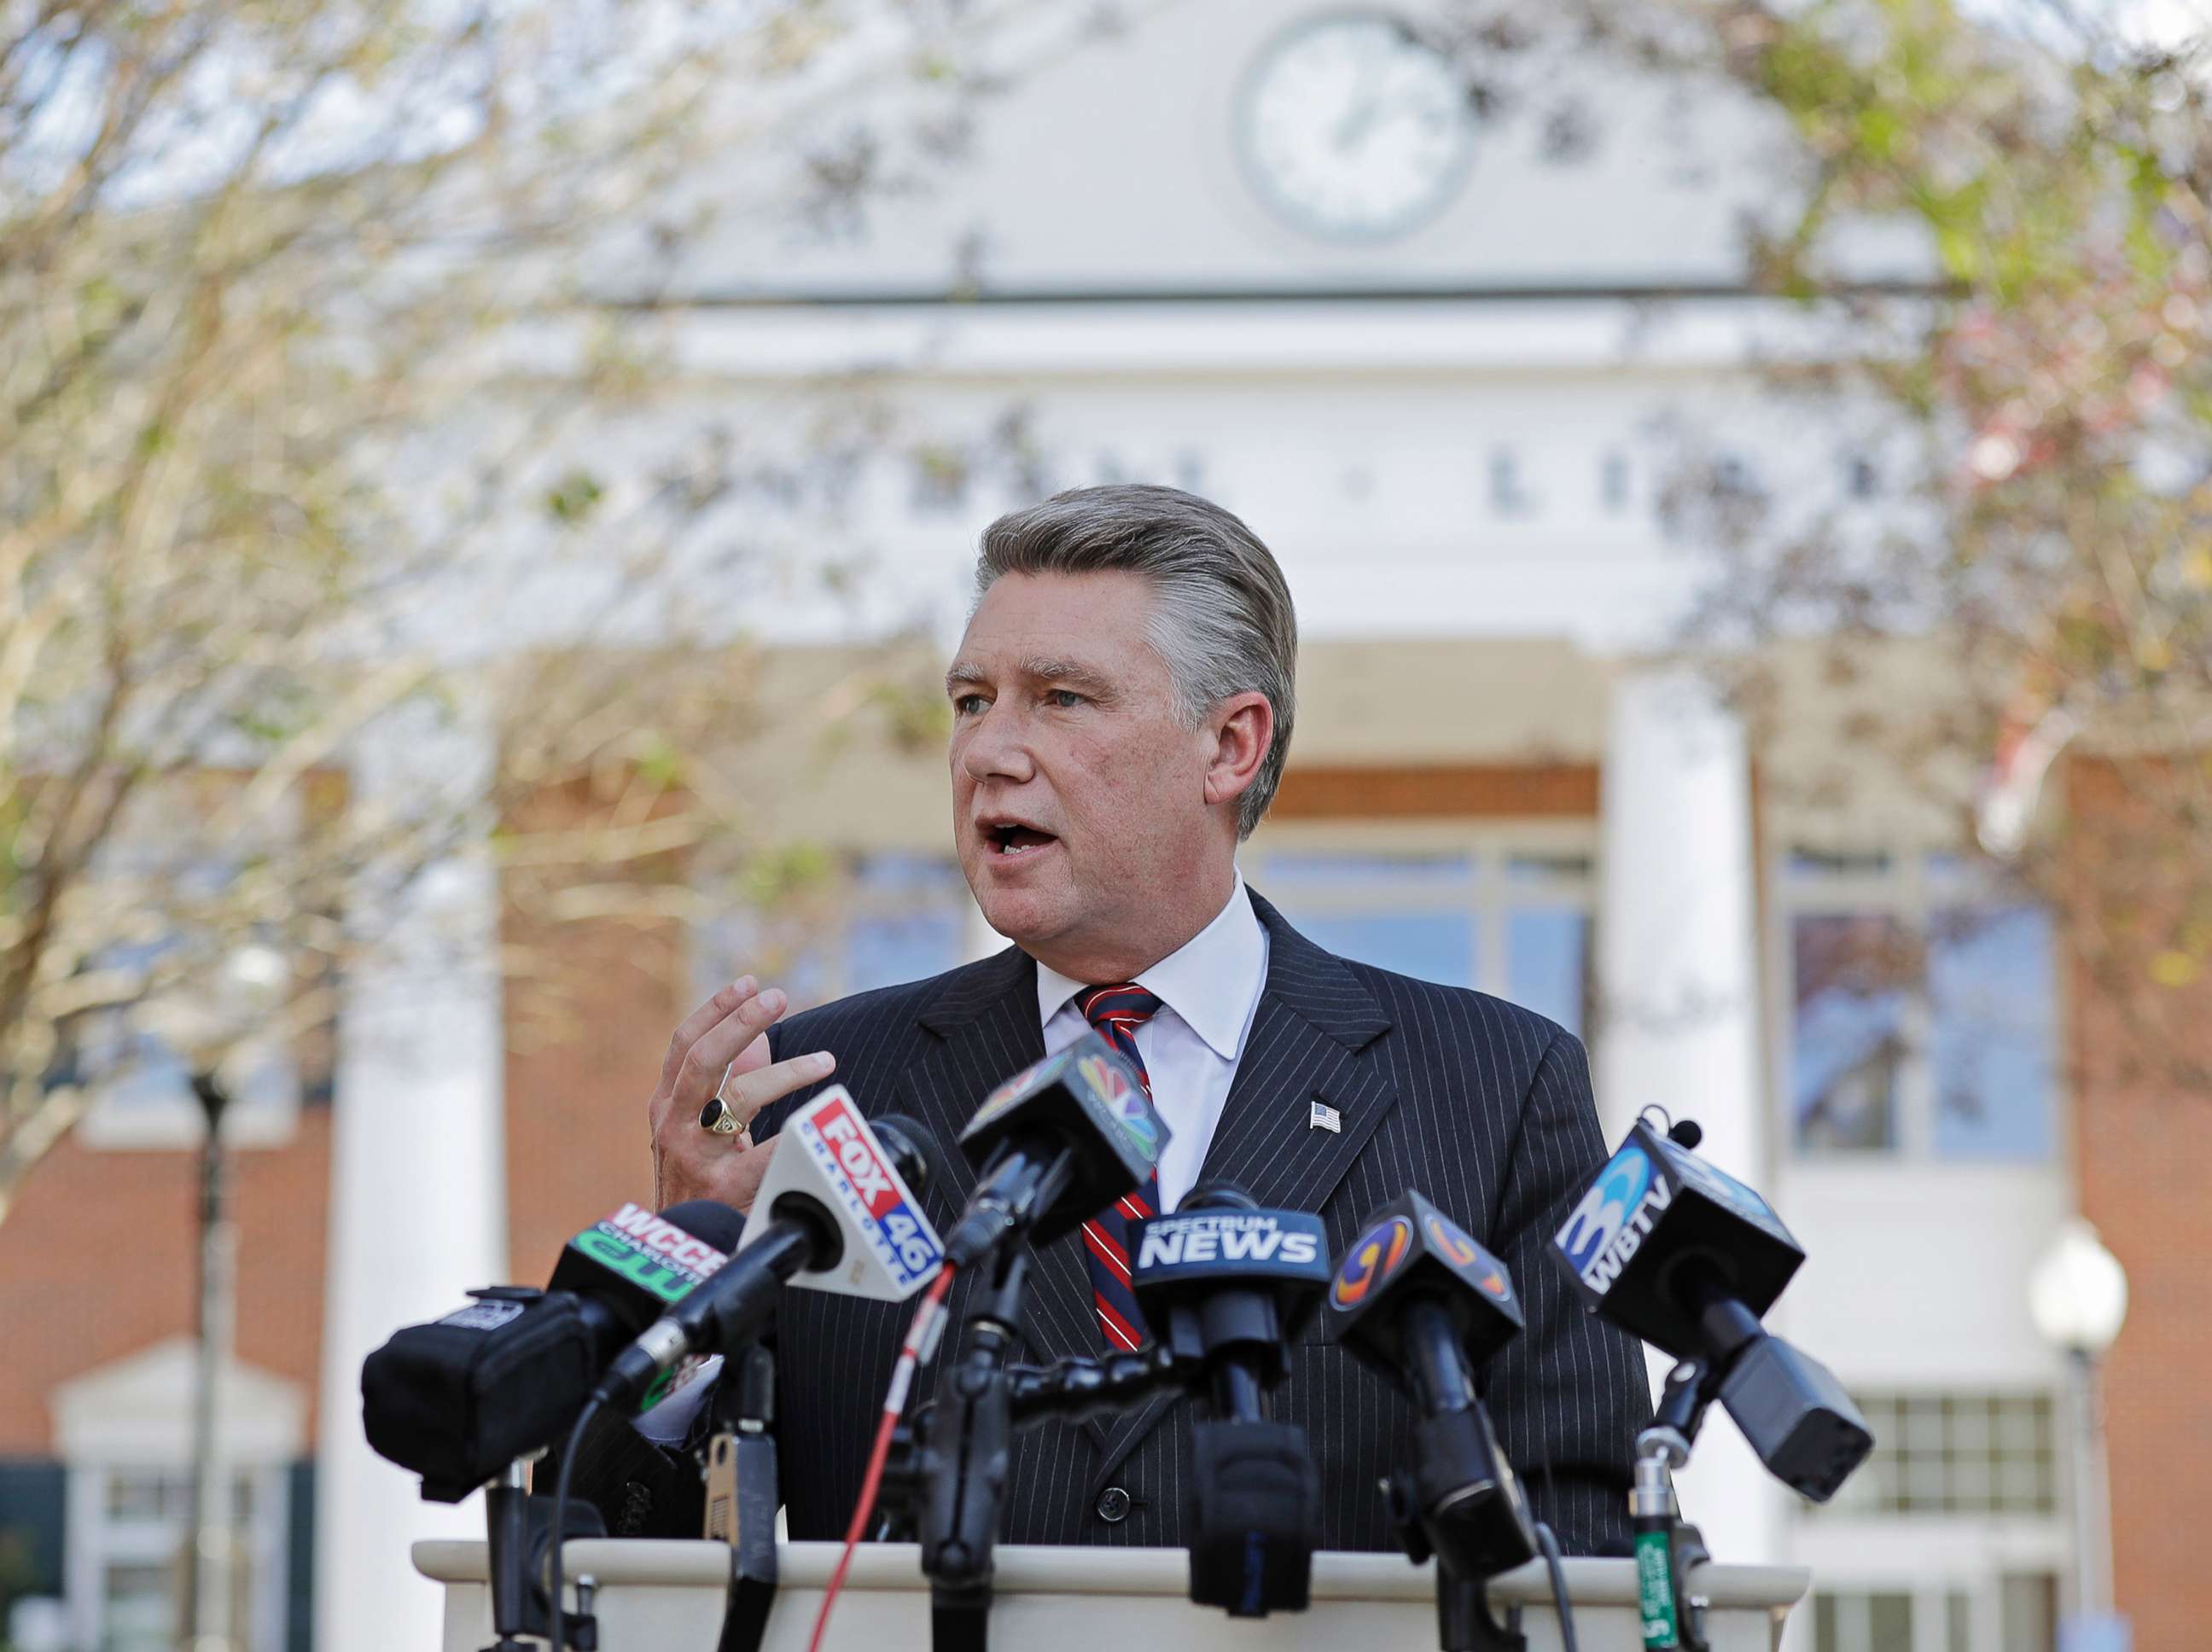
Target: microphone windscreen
x=720, y=1225
x=1218, y=1193
x=913, y=1150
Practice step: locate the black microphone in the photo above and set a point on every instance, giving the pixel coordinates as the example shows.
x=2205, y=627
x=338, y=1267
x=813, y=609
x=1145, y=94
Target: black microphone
x=1417, y=1298
x=1225, y=1286
x=1053, y=1145
x=456, y=1400
x=1690, y=1259
x=838, y=1210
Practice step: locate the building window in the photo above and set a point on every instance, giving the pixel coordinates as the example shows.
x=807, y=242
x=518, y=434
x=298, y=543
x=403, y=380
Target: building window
x=873, y=920
x=1509, y=919
x=142, y=1082
x=129, y=1528
x=1507, y=495
x=1919, y=1006
x=1864, y=1621
x=2010, y=1613
x=1613, y=483
x=1955, y=1453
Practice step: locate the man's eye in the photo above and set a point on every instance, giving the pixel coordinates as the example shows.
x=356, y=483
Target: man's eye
x=1064, y=699
x=967, y=705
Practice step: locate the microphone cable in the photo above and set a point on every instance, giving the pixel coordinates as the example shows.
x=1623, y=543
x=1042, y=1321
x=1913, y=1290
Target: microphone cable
x=1549, y=1543
x=920, y=1343
x=560, y=1628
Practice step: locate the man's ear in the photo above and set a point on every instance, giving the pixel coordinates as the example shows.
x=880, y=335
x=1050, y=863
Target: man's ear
x=1243, y=728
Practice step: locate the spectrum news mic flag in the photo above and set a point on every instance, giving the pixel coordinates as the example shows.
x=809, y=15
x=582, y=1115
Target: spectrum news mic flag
x=1226, y=1287
x=457, y=1399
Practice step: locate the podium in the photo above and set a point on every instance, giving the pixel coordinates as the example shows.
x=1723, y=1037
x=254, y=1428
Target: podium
x=658, y=1595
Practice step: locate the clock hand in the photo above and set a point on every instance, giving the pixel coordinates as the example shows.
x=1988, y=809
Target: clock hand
x=1367, y=103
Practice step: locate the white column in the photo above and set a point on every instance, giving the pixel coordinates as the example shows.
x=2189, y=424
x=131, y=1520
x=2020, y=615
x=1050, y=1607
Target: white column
x=418, y=1212
x=1678, y=995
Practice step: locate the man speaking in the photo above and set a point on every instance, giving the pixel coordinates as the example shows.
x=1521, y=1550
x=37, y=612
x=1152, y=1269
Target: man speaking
x=1121, y=708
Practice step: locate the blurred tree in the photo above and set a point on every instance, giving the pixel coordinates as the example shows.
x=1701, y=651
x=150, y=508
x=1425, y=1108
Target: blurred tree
x=306, y=364
x=2030, y=489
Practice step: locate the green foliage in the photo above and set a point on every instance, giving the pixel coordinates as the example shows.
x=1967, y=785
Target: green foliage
x=571, y=499
x=2062, y=398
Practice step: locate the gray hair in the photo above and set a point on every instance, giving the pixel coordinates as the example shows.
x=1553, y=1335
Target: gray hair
x=1221, y=616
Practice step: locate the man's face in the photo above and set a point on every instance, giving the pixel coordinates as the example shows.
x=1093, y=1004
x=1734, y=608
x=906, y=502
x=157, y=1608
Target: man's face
x=1078, y=797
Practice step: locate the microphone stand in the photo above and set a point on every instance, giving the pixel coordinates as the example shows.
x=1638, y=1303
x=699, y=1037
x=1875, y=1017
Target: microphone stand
x=743, y=1492
x=1457, y=1503
x=1667, y=1546
x=1078, y=1389
x=518, y=1527
x=506, y=1527
x=965, y=1458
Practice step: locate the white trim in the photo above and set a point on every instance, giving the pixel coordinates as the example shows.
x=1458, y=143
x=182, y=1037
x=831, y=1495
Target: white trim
x=133, y=1416
x=97, y=1544
x=137, y=1410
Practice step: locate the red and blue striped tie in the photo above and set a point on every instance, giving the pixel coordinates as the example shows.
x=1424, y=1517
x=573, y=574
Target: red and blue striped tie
x=1117, y=1012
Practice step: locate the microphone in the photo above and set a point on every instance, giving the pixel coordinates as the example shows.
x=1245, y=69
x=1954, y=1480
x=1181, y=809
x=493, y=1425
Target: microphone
x=1415, y=1298
x=837, y=1211
x=1053, y=1145
x=456, y=1400
x=1224, y=1286
x=1689, y=1259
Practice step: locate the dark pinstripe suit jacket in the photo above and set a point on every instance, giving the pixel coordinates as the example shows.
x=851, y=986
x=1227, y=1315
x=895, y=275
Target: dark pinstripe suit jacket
x=1484, y=1107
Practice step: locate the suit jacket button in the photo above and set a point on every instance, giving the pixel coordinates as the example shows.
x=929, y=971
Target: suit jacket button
x=1113, y=1505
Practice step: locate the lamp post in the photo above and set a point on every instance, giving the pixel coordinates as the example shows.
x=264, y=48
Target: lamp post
x=251, y=983
x=2077, y=1295
x=208, y=1605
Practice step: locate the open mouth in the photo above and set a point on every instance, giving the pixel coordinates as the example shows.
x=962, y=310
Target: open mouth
x=1012, y=839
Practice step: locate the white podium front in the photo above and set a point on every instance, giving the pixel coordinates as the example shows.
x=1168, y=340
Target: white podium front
x=666, y=1596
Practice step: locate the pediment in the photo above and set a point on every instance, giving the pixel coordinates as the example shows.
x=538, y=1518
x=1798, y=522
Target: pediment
x=137, y=1410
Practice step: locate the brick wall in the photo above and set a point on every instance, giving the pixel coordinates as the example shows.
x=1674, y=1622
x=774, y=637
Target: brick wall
x=588, y=1006
x=581, y=1068
x=2143, y=1144
x=97, y=1260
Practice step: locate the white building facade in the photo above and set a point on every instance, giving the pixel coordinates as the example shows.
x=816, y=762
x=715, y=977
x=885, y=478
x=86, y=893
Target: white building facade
x=1261, y=250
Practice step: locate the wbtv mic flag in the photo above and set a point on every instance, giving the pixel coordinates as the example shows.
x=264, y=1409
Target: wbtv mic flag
x=456, y=1400
x=838, y=1212
x=1053, y=1145
x=1689, y=1259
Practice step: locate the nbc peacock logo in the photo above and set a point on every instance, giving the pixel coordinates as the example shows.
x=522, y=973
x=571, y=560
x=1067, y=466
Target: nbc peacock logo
x=1106, y=1081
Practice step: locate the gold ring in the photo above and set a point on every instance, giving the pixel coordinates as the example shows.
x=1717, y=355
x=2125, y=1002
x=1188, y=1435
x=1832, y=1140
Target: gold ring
x=717, y=1116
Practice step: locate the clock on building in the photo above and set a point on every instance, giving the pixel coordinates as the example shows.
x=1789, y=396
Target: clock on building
x=1351, y=127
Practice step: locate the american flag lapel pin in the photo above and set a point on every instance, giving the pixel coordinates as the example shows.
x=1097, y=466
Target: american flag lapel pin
x=1324, y=1117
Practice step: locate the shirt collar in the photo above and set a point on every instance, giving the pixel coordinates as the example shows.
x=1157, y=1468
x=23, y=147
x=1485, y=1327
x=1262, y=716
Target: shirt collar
x=1212, y=980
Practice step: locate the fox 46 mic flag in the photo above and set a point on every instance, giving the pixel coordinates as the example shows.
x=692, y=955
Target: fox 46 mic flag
x=830, y=1159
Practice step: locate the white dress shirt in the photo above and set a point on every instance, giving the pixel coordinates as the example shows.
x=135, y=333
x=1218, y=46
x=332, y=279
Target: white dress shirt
x=1209, y=991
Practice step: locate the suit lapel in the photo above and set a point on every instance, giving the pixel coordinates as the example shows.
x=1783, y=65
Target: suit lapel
x=1309, y=1042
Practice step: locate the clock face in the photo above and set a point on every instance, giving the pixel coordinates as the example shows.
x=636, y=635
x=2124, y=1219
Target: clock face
x=1351, y=128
